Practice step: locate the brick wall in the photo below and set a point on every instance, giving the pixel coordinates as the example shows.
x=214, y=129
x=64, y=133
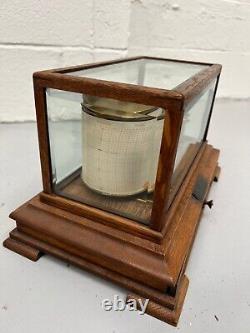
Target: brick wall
x=38, y=34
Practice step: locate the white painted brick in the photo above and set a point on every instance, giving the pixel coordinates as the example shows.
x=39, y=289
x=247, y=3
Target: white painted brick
x=47, y=22
x=16, y=86
x=102, y=55
x=76, y=56
x=200, y=24
x=42, y=34
x=111, y=22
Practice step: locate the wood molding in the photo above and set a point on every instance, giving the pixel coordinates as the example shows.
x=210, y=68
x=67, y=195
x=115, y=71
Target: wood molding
x=148, y=269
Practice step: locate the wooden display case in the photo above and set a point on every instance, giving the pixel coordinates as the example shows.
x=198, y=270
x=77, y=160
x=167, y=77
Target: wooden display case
x=141, y=241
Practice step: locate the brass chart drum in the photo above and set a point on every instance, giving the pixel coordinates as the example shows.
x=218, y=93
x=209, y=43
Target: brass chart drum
x=120, y=145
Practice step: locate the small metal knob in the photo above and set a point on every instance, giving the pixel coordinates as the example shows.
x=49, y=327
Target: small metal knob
x=209, y=203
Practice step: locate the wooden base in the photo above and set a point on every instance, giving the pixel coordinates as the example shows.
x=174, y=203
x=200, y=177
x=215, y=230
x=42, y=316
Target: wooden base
x=149, y=265
x=161, y=306
x=22, y=248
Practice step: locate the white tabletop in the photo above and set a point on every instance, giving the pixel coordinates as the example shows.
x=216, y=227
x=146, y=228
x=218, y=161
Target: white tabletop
x=48, y=296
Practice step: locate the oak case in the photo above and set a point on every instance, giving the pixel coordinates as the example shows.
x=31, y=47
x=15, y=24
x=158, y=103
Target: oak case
x=148, y=260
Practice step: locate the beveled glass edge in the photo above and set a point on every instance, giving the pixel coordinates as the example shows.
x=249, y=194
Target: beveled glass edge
x=121, y=60
x=185, y=91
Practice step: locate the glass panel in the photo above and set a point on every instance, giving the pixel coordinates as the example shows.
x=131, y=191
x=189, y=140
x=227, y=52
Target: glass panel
x=192, y=134
x=64, y=114
x=148, y=72
x=105, y=152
